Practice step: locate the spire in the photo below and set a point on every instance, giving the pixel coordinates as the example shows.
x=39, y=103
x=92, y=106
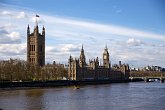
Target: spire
x=82, y=49
x=28, y=30
x=28, y=27
x=97, y=59
x=70, y=56
x=43, y=28
x=106, y=47
x=82, y=57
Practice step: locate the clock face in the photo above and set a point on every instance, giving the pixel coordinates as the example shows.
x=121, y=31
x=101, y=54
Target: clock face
x=105, y=56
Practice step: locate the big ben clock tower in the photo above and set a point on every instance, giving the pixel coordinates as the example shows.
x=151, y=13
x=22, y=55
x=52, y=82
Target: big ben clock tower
x=106, y=63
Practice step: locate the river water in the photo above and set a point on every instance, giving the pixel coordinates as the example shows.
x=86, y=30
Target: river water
x=119, y=96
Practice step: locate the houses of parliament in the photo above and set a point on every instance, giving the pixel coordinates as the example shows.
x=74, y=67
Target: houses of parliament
x=78, y=69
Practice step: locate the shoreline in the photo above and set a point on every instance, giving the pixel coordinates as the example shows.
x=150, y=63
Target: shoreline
x=56, y=84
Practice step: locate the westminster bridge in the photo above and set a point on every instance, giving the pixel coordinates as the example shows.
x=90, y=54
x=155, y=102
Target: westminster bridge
x=147, y=76
x=148, y=79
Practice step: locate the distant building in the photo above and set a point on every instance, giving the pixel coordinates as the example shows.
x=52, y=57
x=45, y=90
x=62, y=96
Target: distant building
x=156, y=68
x=152, y=68
x=36, y=46
x=79, y=70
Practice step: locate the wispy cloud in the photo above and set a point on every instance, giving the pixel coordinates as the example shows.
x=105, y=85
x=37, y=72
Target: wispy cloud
x=6, y=13
x=12, y=49
x=64, y=36
x=9, y=37
x=134, y=42
x=22, y=15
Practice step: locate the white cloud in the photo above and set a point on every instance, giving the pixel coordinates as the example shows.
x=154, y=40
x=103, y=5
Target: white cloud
x=138, y=56
x=61, y=52
x=83, y=26
x=8, y=37
x=22, y=15
x=14, y=36
x=12, y=49
x=7, y=26
x=134, y=42
x=62, y=48
x=6, y=13
x=70, y=48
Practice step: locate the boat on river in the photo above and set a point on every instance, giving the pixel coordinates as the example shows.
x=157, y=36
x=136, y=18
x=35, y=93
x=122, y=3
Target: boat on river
x=76, y=87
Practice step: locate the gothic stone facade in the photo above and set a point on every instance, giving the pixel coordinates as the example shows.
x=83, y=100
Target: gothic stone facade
x=79, y=70
x=36, y=46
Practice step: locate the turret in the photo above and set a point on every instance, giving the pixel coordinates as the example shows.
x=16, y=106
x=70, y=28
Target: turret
x=70, y=59
x=97, y=62
x=43, y=31
x=28, y=30
x=119, y=63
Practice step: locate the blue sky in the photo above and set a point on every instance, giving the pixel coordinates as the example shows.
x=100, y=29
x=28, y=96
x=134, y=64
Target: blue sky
x=142, y=14
x=134, y=30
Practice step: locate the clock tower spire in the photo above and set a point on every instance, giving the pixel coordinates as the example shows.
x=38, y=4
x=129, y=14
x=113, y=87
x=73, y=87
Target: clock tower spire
x=82, y=58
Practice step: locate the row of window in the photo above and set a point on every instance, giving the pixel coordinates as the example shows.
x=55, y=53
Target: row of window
x=73, y=75
x=73, y=70
x=32, y=59
x=32, y=47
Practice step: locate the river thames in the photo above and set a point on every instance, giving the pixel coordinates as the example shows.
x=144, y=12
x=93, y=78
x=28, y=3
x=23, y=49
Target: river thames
x=117, y=96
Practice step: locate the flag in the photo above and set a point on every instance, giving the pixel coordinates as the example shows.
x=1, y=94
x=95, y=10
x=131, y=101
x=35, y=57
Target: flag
x=37, y=15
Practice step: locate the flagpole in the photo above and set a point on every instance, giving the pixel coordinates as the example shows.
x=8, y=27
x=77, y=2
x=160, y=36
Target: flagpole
x=36, y=20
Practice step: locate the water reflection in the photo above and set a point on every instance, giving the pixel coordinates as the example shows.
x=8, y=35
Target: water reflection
x=127, y=96
x=34, y=99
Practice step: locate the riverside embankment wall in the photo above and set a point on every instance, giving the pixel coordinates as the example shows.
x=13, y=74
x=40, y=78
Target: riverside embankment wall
x=56, y=83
